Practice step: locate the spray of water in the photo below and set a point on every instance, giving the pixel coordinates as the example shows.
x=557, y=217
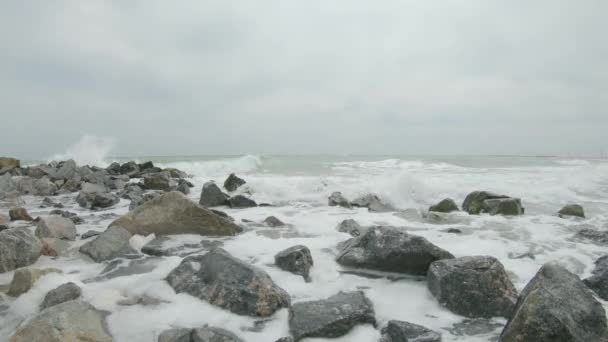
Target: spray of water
x=89, y=150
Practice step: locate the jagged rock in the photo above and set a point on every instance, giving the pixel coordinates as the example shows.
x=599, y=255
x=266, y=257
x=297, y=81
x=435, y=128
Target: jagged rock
x=598, y=282
x=233, y=182
x=94, y=196
x=337, y=199
x=556, y=306
x=272, y=221
x=136, y=202
x=174, y=213
x=36, y=187
x=55, y=226
x=472, y=286
x=90, y=234
x=372, y=202
x=212, y=195
x=70, y=321
x=19, y=214
x=130, y=169
x=175, y=173
x=61, y=294
x=445, y=206
x=48, y=202
x=70, y=186
x=112, y=243
x=114, y=169
x=399, y=331
x=332, y=317
x=159, y=181
x=572, y=210
x=132, y=191
x=183, y=187
x=24, y=279
x=227, y=282
x=66, y=170
x=54, y=247
x=599, y=237
x=351, y=227
x=503, y=206
x=9, y=162
x=296, y=259
x=206, y=334
x=391, y=249
x=18, y=248
x=240, y=201
x=146, y=166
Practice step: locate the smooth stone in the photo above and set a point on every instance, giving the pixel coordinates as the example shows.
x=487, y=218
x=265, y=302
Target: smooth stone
x=18, y=248
x=572, y=210
x=61, y=294
x=296, y=259
x=113, y=243
x=55, y=226
x=400, y=331
x=24, y=279
x=241, y=201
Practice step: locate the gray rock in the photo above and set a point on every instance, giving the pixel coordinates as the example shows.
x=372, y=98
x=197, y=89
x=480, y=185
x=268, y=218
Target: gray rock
x=18, y=248
x=391, y=249
x=503, y=206
x=473, y=203
x=183, y=187
x=55, y=226
x=9, y=162
x=54, y=247
x=473, y=286
x=233, y=182
x=332, y=317
x=19, y=214
x=572, y=210
x=61, y=294
x=272, y=221
x=174, y=213
x=130, y=169
x=240, y=201
x=351, y=227
x=36, y=187
x=113, y=169
x=90, y=234
x=159, y=181
x=445, y=206
x=285, y=339
x=66, y=170
x=70, y=186
x=337, y=199
x=598, y=282
x=48, y=202
x=7, y=184
x=124, y=268
x=475, y=326
x=165, y=246
x=70, y=321
x=138, y=201
x=556, y=306
x=176, y=335
x=206, y=334
x=296, y=259
x=24, y=279
x=227, y=282
x=212, y=195
x=372, y=202
x=599, y=237
x=112, y=243
x=175, y=173
x=94, y=196
x=399, y=331
x=72, y=216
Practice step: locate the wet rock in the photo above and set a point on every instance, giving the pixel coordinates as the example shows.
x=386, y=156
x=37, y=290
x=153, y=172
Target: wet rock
x=372, y=202
x=503, y=206
x=572, y=210
x=391, y=249
x=296, y=259
x=112, y=243
x=70, y=186
x=113, y=169
x=175, y=173
x=65, y=170
x=472, y=286
x=174, y=213
x=18, y=248
x=19, y=214
x=599, y=237
x=159, y=181
x=212, y=195
x=55, y=226
x=272, y=221
x=337, y=199
x=132, y=191
x=72, y=216
x=183, y=187
x=54, y=247
x=138, y=201
x=598, y=282
x=70, y=321
x=227, y=282
x=332, y=317
x=36, y=187
x=90, y=234
x=233, y=182
x=351, y=227
x=240, y=201
x=48, y=202
x=453, y=231
x=474, y=327
x=206, y=334
x=399, y=331
x=445, y=206
x=24, y=279
x=130, y=169
x=474, y=202
x=124, y=268
x=556, y=306
x=285, y=339
x=165, y=246
x=61, y=294
x=94, y=196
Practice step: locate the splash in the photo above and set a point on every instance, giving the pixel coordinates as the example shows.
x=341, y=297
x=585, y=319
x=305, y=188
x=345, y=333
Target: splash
x=89, y=150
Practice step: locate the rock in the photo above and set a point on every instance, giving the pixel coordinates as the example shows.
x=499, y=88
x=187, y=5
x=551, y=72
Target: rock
x=94, y=196
x=472, y=286
x=475, y=326
x=146, y=166
x=206, y=334
x=72, y=216
x=445, y=206
x=55, y=226
x=7, y=184
x=272, y=221
x=391, y=249
x=174, y=213
x=399, y=331
x=123, y=268
x=503, y=206
x=233, y=182
x=24, y=279
x=136, y=202
x=351, y=227
x=48, y=202
x=112, y=243
x=165, y=246
x=66, y=170
x=36, y=187
x=598, y=282
x=573, y=210
x=70, y=186
x=285, y=339
x=240, y=201
x=62, y=294
x=90, y=234
x=70, y=321
x=372, y=203
x=337, y=199
x=296, y=259
x=54, y=247
x=114, y=169
x=556, y=306
x=175, y=173
x=212, y=196
x=474, y=202
x=159, y=181
x=130, y=169
x=183, y=187
x=599, y=237
x=19, y=214
x=9, y=162
x=18, y=248
x=332, y=317
x=227, y=282
x=176, y=335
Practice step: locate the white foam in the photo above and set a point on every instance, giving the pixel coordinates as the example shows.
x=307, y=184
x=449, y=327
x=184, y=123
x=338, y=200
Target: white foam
x=89, y=150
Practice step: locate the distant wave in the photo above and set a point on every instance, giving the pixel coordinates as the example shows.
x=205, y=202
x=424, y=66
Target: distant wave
x=218, y=167
x=89, y=150
x=573, y=162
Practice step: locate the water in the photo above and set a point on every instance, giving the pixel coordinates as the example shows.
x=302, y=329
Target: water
x=298, y=186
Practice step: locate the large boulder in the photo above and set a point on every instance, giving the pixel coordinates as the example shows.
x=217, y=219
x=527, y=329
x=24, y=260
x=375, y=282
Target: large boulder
x=206, y=334
x=391, y=249
x=332, y=317
x=130, y=169
x=70, y=321
x=241, y=201
x=556, y=306
x=572, y=210
x=18, y=248
x=61, y=294
x=337, y=199
x=174, y=213
x=296, y=259
x=9, y=162
x=19, y=214
x=36, y=187
x=372, y=202
x=225, y=281
x=66, y=170
x=212, y=195
x=399, y=331
x=24, y=279
x=55, y=226
x=233, y=182
x=112, y=243
x=598, y=282
x=478, y=202
x=445, y=206
x=94, y=196
x=138, y=201
x=159, y=181
x=472, y=286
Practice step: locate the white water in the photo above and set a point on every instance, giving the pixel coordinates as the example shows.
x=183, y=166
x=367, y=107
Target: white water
x=89, y=150
x=299, y=188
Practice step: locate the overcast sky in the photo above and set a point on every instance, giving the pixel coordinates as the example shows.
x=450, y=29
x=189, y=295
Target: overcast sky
x=340, y=76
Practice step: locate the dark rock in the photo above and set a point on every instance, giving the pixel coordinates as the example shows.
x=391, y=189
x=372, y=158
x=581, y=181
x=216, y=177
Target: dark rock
x=146, y=166
x=70, y=186
x=138, y=201
x=556, y=306
x=233, y=182
x=272, y=221
x=475, y=326
x=372, y=202
x=123, y=268
x=165, y=246
x=132, y=191
x=337, y=199
x=399, y=331
x=183, y=187
x=113, y=169
x=332, y=317
x=48, y=202
x=175, y=173
x=285, y=339
x=445, y=206
x=351, y=227
x=113, y=243
x=476, y=286
x=391, y=249
x=176, y=335
x=474, y=202
x=212, y=195
x=19, y=214
x=72, y=216
x=222, y=214
x=296, y=259
x=55, y=226
x=18, y=248
x=573, y=210
x=159, y=181
x=94, y=196
x=90, y=234
x=240, y=201
x=599, y=237
x=503, y=206
x=227, y=282
x=130, y=169
x=453, y=231
x=598, y=282
x=62, y=294
x=206, y=334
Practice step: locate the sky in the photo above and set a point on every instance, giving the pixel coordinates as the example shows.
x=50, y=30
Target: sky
x=213, y=77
